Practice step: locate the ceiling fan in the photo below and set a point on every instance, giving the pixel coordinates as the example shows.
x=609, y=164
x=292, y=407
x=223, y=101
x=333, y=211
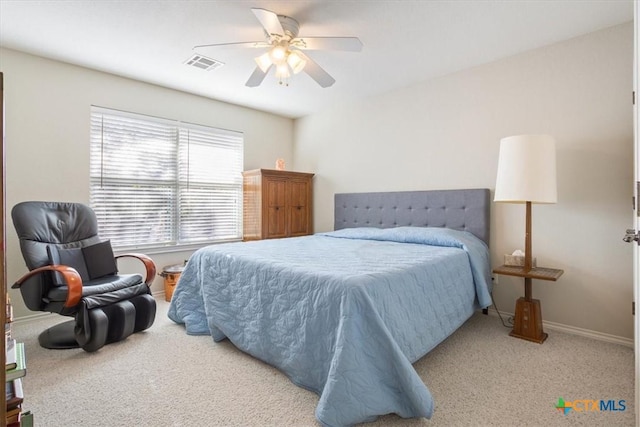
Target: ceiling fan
x=285, y=50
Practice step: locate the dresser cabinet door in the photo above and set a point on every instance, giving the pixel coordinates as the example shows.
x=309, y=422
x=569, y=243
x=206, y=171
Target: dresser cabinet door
x=299, y=224
x=275, y=215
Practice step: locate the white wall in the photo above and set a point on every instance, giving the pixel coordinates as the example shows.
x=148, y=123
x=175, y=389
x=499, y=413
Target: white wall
x=445, y=133
x=47, y=134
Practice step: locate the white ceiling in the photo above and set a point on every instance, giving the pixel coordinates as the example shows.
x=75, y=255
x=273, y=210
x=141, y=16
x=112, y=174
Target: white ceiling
x=405, y=42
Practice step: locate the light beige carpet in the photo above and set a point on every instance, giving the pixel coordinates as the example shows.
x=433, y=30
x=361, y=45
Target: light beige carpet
x=479, y=377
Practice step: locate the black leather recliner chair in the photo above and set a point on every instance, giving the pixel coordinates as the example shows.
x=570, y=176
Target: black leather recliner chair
x=74, y=273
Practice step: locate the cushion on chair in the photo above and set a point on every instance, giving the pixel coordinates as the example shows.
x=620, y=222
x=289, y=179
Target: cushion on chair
x=108, y=298
x=91, y=262
x=100, y=260
x=97, y=286
x=72, y=257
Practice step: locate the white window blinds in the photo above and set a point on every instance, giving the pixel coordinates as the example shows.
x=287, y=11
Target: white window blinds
x=158, y=183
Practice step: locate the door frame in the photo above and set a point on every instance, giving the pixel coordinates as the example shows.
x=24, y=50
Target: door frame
x=636, y=251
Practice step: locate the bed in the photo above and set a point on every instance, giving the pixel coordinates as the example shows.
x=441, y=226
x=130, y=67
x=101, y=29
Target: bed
x=346, y=313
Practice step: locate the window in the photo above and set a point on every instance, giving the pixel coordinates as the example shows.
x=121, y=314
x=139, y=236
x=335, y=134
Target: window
x=163, y=183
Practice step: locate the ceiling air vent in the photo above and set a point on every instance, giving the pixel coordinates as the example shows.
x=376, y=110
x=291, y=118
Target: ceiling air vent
x=203, y=62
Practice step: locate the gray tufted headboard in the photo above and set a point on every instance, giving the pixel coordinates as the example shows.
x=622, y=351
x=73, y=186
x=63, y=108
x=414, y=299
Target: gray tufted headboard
x=458, y=209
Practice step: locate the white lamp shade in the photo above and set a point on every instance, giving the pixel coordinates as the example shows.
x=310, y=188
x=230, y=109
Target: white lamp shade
x=296, y=62
x=264, y=62
x=282, y=71
x=278, y=54
x=527, y=170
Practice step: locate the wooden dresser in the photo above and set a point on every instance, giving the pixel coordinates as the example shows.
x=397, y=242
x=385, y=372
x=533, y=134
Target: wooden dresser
x=276, y=204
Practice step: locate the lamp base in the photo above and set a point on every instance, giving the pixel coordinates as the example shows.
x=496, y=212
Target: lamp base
x=527, y=323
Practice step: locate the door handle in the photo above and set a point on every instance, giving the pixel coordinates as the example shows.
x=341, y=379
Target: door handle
x=631, y=236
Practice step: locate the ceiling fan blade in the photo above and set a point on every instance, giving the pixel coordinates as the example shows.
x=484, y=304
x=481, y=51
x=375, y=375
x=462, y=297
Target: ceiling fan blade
x=269, y=21
x=349, y=44
x=256, y=77
x=316, y=72
x=260, y=44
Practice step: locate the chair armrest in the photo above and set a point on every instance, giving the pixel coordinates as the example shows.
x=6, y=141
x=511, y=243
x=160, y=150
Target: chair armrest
x=71, y=277
x=149, y=265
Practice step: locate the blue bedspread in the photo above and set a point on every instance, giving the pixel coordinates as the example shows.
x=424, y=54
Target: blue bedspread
x=344, y=313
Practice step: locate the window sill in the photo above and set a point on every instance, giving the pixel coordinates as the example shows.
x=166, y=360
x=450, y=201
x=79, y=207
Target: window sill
x=151, y=250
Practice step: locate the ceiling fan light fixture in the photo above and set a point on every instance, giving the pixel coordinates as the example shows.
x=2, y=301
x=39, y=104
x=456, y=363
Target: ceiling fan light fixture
x=296, y=62
x=281, y=34
x=264, y=61
x=278, y=54
x=282, y=71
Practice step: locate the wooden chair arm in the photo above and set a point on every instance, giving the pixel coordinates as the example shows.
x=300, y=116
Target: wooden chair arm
x=149, y=265
x=71, y=278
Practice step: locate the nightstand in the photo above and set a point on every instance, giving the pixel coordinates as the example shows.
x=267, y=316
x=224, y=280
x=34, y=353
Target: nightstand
x=527, y=322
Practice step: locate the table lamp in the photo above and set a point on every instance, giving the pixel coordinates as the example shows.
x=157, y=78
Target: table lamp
x=527, y=174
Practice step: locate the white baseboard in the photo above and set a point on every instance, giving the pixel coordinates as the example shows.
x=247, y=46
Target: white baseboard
x=39, y=315
x=553, y=326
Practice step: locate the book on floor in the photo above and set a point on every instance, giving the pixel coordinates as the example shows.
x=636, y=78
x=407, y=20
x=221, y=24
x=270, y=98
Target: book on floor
x=21, y=364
